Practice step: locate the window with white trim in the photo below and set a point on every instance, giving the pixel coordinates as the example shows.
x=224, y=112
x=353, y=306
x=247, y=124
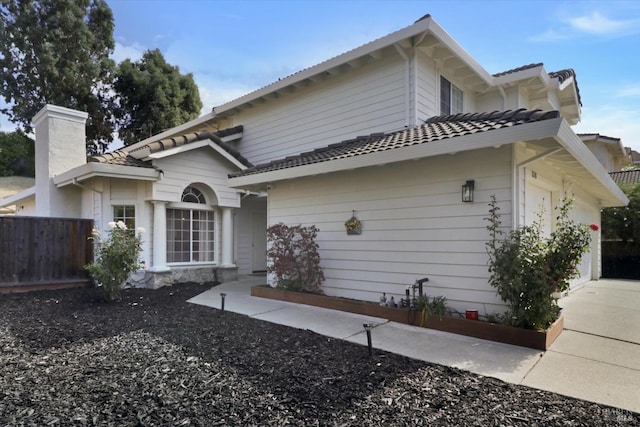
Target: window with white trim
x=126, y=214
x=451, y=99
x=190, y=231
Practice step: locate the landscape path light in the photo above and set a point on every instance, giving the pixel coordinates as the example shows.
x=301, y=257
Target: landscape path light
x=368, y=327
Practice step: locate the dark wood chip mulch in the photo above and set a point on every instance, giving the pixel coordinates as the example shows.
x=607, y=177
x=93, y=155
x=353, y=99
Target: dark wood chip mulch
x=151, y=359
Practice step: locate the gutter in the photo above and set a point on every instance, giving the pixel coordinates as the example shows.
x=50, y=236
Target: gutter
x=76, y=183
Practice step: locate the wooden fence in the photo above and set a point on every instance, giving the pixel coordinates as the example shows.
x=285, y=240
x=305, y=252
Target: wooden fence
x=37, y=252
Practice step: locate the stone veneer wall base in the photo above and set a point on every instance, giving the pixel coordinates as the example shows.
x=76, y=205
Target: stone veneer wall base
x=154, y=280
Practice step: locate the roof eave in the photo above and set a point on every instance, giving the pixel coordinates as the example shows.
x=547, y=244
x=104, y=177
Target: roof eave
x=194, y=146
x=426, y=25
x=527, y=131
x=92, y=170
x=18, y=197
x=612, y=194
x=181, y=129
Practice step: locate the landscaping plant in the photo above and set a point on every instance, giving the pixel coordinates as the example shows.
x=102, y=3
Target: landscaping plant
x=293, y=257
x=116, y=258
x=526, y=268
x=430, y=307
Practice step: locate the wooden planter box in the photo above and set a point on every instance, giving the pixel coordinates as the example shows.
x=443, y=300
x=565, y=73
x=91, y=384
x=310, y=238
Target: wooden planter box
x=540, y=340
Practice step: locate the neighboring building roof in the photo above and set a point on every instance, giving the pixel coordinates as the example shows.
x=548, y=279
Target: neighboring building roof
x=434, y=129
x=515, y=70
x=626, y=177
x=587, y=136
x=123, y=158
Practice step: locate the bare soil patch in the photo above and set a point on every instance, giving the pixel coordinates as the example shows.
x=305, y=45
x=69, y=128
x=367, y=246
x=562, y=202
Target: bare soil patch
x=66, y=358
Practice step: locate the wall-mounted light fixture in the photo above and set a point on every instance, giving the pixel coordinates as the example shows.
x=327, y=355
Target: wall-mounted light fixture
x=467, y=191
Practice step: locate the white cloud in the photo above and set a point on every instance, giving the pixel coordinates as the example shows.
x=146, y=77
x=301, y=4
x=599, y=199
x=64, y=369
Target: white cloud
x=133, y=52
x=629, y=91
x=596, y=23
x=549, y=36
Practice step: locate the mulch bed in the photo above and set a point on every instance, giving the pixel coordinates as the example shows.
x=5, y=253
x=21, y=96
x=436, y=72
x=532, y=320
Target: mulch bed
x=67, y=358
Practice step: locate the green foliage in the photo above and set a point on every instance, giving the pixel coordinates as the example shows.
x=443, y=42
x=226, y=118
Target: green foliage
x=116, y=258
x=293, y=257
x=526, y=269
x=57, y=52
x=436, y=306
x=17, y=154
x=623, y=224
x=153, y=96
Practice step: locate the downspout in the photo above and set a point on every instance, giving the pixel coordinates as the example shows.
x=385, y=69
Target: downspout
x=407, y=84
x=76, y=183
x=516, y=178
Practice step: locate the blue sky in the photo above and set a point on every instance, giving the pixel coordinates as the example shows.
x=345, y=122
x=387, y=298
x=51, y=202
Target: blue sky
x=234, y=47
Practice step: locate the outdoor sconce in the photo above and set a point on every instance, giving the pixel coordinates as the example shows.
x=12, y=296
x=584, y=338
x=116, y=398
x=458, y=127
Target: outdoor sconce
x=467, y=191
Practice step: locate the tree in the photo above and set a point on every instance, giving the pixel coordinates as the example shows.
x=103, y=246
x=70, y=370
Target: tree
x=17, y=154
x=153, y=96
x=623, y=224
x=57, y=52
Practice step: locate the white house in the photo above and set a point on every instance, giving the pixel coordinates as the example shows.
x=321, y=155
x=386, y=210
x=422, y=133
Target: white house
x=390, y=130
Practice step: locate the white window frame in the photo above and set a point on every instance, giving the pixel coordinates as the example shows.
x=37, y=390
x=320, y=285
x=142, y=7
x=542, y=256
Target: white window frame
x=455, y=98
x=130, y=221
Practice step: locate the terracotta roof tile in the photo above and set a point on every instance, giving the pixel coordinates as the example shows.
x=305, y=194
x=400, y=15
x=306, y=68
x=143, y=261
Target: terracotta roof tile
x=626, y=177
x=434, y=129
x=120, y=158
x=123, y=158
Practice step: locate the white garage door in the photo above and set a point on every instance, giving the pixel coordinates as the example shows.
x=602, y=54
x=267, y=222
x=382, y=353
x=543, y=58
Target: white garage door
x=580, y=213
x=537, y=203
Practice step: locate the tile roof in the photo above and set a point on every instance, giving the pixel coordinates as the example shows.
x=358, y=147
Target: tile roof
x=434, y=129
x=626, y=177
x=121, y=158
x=515, y=70
x=561, y=75
x=597, y=136
x=124, y=158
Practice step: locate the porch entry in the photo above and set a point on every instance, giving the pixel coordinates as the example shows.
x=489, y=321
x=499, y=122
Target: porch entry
x=259, y=245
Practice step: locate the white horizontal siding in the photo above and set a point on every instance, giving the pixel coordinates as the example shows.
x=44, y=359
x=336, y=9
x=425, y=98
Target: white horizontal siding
x=357, y=102
x=413, y=225
x=195, y=166
x=426, y=87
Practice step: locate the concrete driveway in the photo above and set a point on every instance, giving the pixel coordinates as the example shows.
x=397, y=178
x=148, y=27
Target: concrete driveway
x=597, y=357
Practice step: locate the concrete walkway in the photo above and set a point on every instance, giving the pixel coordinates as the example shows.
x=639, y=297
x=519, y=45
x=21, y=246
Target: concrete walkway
x=596, y=358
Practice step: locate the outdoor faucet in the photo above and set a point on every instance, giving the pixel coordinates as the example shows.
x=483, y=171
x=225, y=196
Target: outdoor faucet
x=418, y=285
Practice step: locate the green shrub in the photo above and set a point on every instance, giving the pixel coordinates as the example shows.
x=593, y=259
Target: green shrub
x=116, y=258
x=526, y=269
x=436, y=306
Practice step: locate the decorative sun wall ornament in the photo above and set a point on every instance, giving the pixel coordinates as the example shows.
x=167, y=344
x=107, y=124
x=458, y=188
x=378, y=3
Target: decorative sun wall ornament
x=353, y=225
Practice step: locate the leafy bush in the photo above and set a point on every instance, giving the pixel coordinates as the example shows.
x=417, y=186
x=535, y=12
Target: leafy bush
x=116, y=258
x=436, y=306
x=293, y=257
x=526, y=269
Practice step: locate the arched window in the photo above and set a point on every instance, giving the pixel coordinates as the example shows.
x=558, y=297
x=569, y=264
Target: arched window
x=193, y=195
x=190, y=230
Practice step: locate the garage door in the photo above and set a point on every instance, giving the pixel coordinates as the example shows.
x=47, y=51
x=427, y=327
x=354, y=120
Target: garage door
x=537, y=203
x=580, y=213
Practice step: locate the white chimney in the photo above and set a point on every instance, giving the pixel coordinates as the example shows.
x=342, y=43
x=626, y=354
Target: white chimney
x=60, y=146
